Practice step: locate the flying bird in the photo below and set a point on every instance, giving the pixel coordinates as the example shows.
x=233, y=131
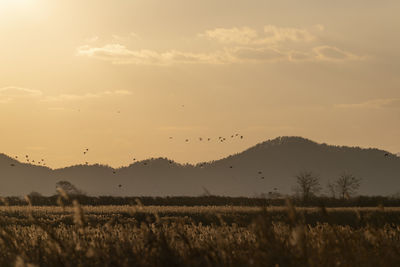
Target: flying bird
x=120, y=185
x=12, y=165
x=386, y=154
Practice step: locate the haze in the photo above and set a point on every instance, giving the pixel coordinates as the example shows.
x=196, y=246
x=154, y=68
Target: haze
x=121, y=77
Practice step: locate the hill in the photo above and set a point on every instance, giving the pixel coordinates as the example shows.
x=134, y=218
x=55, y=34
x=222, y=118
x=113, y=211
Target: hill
x=265, y=167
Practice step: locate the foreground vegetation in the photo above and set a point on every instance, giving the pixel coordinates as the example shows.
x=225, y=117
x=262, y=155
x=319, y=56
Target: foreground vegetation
x=138, y=235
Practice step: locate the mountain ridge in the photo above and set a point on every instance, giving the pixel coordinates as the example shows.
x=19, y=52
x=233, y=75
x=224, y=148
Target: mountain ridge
x=254, y=171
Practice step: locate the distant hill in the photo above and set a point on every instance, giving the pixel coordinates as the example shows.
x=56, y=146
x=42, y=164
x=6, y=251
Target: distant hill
x=257, y=170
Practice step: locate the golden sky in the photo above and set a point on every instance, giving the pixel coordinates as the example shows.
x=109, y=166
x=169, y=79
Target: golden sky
x=120, y=77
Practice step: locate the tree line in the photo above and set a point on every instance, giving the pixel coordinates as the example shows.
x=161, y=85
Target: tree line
x=308, y=185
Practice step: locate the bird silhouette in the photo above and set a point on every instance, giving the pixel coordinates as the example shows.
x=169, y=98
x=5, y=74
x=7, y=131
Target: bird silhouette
x=187, y=140
x=241, y=137
x=12, y=165
x=114, y=172
x=120, y=185
x=230, y=167
x=260, y=172
x=386, y=154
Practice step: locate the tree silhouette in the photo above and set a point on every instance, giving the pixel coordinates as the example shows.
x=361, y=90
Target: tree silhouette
x=347, y=185
x=307, y=185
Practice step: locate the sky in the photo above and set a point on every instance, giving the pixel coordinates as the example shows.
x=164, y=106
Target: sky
x=121, y=77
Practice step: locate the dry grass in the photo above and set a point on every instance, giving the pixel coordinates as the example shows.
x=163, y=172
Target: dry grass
x=198, y=236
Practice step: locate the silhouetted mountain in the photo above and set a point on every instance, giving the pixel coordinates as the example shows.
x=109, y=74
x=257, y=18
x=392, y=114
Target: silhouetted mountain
x=267, y=167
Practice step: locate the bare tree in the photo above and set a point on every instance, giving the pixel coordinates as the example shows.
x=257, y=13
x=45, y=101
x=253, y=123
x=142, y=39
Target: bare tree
x=347, y=185
x=307, y=185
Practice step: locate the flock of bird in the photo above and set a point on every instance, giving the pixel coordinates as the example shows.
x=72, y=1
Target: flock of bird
x=208, y=139
x=201, y=165
x=32, y=161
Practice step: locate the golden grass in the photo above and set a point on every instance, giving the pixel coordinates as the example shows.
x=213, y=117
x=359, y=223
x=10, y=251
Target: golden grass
x=197, y=236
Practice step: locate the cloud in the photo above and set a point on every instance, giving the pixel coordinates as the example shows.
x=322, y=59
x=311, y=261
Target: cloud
x=240, y=45
x=249, y=54
x=330, y=53
x=243, y=35
x=71, y=97
x=9, y=93
x=275, y=34
x=271, y=35
x=120, y=54
x=374, y=104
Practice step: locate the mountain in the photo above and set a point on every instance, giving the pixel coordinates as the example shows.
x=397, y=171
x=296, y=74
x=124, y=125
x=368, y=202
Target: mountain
x=257, y=170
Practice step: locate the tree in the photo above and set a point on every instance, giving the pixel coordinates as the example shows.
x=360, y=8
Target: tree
x=68, y=188
x=307, y=185
x=347, y=185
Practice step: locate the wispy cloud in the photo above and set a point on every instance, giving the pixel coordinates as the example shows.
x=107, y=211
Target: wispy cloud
x=251, y=54
x=71, y=97
x=330, y=53
x=243, y=35
x=120, y=54
x=10, y=93
x=240, y=45
x=271, y=35
x=374, y=104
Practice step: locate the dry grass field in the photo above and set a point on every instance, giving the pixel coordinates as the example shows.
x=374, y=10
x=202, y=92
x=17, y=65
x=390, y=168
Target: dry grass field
x=198, y=236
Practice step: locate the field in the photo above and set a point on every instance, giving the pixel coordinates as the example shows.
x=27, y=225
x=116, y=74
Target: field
x=198, y=236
